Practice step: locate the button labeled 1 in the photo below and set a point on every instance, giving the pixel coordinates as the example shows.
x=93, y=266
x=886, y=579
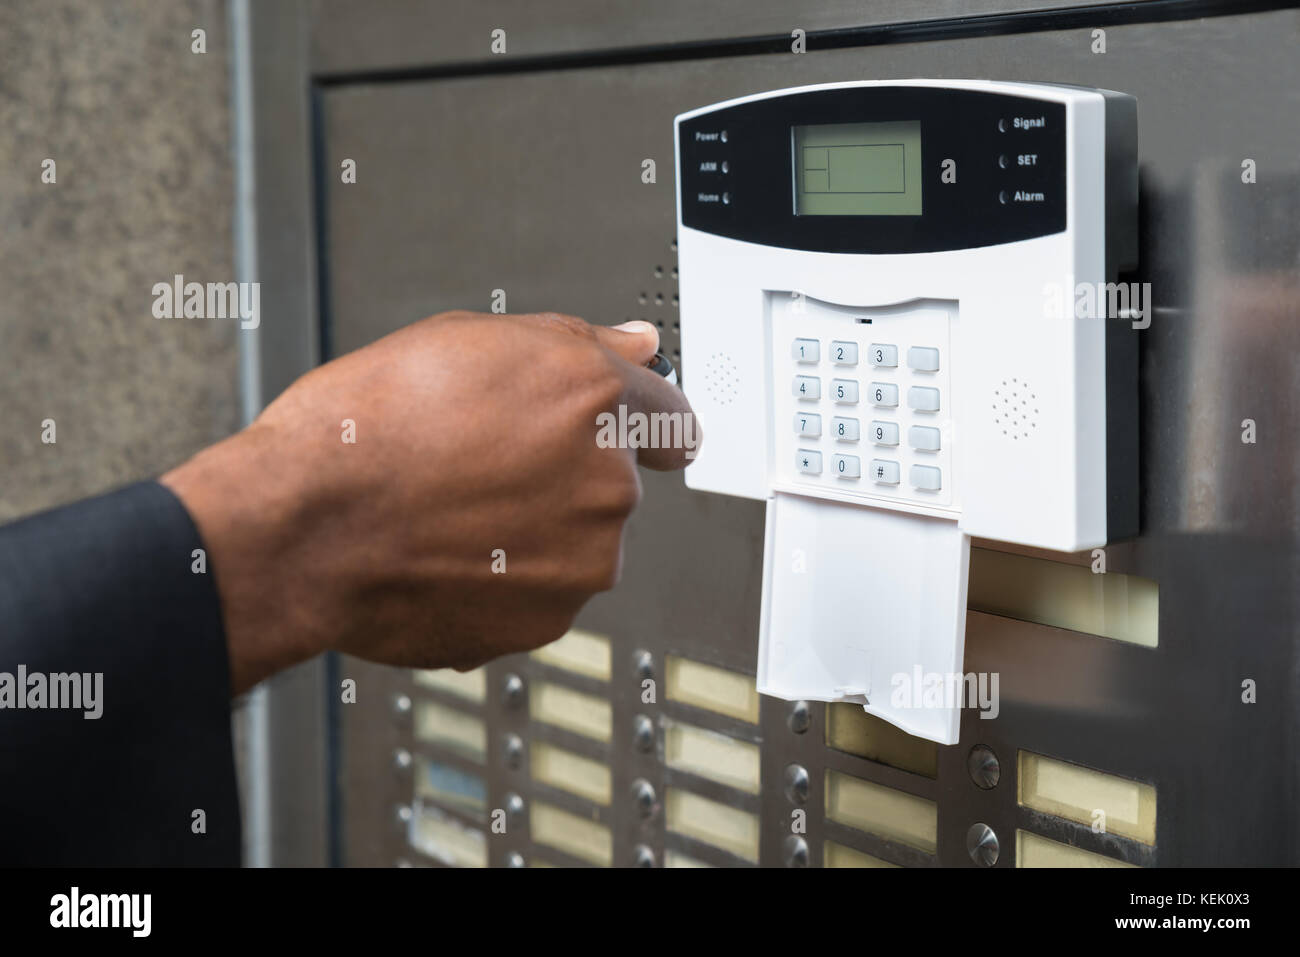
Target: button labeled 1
x=805, y=350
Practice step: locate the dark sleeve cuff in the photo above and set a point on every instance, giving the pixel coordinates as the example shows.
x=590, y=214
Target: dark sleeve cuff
x=99, y=602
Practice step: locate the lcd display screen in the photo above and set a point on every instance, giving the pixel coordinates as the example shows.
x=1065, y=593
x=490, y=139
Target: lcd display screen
x=858, y=169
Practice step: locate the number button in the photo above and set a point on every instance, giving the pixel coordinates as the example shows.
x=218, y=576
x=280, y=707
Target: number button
x=805, y=350
x=808, y=462
x=845, y=430
x=807, y=423
x=884, y=433
x=883, y=394
x=807, y=387
x=846, y=466
x=885, y=357
x=844, y=353
x=844, y=391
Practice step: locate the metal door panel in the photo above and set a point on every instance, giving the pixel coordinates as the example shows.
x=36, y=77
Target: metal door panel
x=532, y=184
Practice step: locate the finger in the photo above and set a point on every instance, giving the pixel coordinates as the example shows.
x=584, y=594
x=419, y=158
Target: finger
x=636, y=341
x=660, y=421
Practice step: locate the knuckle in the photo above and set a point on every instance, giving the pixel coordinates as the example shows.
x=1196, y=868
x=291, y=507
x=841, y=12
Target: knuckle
x=569, y=324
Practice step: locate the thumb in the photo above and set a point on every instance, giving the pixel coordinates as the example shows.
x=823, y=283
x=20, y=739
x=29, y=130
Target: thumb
x=636, y=341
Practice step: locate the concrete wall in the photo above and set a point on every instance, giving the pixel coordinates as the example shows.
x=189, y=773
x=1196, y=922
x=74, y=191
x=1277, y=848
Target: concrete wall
x=139, y=129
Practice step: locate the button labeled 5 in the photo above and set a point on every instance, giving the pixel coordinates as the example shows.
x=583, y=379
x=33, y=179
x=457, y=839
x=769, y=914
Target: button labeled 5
x=844, y=390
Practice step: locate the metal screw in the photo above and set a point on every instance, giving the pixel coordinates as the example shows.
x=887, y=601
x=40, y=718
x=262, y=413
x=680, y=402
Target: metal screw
x=514, y=804
x=643, y=793
x=514, y=859
x=644, y=662
x=643, y=733
x=796, y=852
x=401, y=759
x=514, y=750
x=982, y=845
x=403, y=814
x=796, y=783
x=800, y=718
x=643, y=856
x=983, y=766
x=401, y=704
x=513, y=687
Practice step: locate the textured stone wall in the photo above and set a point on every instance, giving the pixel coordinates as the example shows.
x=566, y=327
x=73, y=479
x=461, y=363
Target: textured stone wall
x=139, y=129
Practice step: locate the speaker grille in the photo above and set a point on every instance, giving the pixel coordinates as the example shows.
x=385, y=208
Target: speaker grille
x=1015, y=409
x=720, y=378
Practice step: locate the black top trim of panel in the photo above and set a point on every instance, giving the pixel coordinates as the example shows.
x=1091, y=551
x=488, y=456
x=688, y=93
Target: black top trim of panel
x=1009, y=183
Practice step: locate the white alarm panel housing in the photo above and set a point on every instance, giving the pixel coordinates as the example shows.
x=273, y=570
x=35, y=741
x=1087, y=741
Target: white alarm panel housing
x=878, y=312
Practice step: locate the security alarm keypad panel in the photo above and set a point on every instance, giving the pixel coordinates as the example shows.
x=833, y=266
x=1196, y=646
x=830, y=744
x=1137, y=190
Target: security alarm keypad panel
x=880, y=339
x=866, y=394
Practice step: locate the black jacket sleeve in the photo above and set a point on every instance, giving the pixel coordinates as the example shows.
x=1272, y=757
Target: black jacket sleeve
x=102, y=615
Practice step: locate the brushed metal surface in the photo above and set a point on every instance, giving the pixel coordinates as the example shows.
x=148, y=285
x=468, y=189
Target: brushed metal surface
x=532, y=184
x=395, y=34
